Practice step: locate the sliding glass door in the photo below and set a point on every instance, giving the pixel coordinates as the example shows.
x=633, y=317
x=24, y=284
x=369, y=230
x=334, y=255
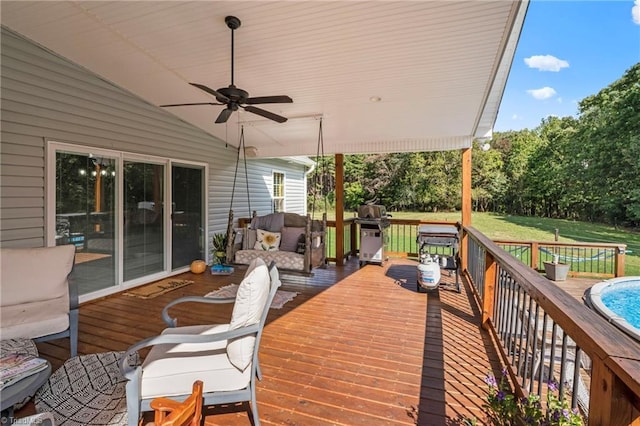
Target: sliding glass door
x=187, y=215
x=133, y=219
x=144, y=219
x=85, y=206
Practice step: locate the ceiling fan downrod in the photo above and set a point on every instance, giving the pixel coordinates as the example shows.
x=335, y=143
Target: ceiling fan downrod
x=233, y=23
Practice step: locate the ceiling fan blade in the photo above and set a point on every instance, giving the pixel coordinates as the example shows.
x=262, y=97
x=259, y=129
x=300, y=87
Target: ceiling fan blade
x=269, y=100
x=265, y=114
x=219, y=96
x=196, y=103
x=224, y=115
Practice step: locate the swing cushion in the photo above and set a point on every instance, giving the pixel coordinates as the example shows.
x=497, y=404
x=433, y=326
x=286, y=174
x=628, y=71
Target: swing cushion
x=285, y=260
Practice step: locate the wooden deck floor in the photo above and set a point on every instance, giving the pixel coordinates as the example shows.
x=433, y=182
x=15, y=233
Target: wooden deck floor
x=357, y=346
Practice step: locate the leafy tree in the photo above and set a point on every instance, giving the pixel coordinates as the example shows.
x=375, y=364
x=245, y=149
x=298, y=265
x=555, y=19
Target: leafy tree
x=488, y=181
x=610, y=131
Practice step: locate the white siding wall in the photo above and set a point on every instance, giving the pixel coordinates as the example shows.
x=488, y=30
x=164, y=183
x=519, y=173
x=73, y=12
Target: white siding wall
x=46, y=97
x=261, y=187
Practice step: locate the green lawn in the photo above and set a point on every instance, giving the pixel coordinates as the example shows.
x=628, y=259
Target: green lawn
x=521, y=228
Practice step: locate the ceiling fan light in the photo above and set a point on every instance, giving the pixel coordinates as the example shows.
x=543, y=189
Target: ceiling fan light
x=251, y=151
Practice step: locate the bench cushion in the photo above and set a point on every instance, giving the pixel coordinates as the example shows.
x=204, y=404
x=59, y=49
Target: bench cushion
x=283, y=259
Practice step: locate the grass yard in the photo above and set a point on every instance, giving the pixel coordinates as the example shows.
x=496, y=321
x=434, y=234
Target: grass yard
x=521, y=228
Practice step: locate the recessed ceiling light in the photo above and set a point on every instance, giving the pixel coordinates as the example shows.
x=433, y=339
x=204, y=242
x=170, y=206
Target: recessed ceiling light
x=375, y=99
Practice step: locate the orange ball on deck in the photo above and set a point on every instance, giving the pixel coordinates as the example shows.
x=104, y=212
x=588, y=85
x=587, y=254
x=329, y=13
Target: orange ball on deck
x=198, y=266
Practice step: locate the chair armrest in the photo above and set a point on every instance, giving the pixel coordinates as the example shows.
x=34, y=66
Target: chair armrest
x=128, y=370
x=173, y=322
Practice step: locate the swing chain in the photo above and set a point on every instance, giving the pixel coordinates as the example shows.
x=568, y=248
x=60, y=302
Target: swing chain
x=320, y=150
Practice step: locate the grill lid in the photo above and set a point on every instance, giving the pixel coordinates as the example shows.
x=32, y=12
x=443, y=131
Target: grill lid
x=372, y=211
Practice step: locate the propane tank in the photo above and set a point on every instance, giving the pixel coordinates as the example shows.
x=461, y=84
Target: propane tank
x=428, y=272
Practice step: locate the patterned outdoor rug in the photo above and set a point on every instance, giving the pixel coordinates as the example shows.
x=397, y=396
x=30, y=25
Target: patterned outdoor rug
x=86, y=390
x=230, y=290
x=152, y=290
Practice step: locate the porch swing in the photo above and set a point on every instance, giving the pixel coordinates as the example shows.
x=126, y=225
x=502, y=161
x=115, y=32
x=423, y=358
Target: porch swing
x=296, y=243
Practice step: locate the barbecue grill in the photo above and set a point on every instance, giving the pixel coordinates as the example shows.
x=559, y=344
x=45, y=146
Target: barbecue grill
x=373, y=221
x=445, y=236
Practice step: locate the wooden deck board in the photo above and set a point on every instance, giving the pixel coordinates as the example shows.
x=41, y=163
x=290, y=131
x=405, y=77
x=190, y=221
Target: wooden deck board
x=357, y=346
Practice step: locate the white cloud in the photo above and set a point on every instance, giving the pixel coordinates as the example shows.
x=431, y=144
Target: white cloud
x=543, y=93
x=635, y=12
x=559, y=100
x=516, y=117
x=546, y=62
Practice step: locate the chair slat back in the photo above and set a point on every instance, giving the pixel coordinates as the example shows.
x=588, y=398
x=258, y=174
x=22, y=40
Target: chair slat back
x=172, y=413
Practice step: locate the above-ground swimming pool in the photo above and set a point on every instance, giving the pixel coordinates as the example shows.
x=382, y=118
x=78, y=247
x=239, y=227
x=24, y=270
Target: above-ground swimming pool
x=618, y=300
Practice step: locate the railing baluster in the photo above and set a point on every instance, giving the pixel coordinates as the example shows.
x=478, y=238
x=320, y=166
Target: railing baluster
x=552, y=356
x=528, y=337
x=512, y=299
x=500, y=313
x=518, y=323
x=543, y=349
x=563, y=364
x=576, y=378
x=534, y=347
x=523, y=313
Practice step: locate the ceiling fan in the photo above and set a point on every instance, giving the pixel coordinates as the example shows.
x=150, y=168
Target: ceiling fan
x=234, y=97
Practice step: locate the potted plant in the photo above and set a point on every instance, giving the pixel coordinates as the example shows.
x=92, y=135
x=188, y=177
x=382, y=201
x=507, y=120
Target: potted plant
x=556, y=270
x=219, y=247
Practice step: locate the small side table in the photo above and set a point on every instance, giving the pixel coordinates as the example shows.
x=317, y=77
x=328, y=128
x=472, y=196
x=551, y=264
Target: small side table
x=24, y=389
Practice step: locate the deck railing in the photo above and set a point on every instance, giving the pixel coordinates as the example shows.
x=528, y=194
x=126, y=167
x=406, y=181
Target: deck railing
x=544, y=333
x=350, y=240
x=586, y=259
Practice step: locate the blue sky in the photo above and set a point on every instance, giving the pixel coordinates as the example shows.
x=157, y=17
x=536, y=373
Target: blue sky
x=568, y=50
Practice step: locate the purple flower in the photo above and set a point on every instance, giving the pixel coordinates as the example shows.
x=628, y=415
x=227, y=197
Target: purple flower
x=565, y=413
x=553, y=385
x=501, y=396
x=491, y=381
x=504, y=371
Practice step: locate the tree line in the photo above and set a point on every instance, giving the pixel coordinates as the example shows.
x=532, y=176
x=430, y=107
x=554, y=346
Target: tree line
x=584, y=168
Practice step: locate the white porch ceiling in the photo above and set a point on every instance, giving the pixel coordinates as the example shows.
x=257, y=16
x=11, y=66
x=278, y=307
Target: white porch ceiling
x=439, y=67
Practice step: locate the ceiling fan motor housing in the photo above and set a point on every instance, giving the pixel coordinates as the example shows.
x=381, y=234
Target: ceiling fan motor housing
x=234, y=94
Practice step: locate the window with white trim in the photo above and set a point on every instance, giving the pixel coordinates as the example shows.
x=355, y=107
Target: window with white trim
x=278, y=192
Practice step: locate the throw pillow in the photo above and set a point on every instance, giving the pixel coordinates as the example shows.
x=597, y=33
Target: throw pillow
x=267, y=241
x=290, y=237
